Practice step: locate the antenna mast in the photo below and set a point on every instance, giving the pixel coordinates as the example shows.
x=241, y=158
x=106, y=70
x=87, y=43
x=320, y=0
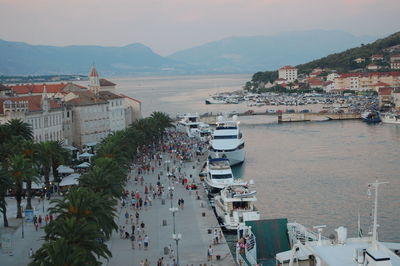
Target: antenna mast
x=374, y=229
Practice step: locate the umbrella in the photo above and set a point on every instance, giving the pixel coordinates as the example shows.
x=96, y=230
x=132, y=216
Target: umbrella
x=70, y=148
x=86, y=155
x=83, y=165
x=62, y=169
x=33, y=185
x=92, y=144
x=72, y=179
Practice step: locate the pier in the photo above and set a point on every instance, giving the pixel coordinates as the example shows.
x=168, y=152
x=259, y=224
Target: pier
x=289, y=117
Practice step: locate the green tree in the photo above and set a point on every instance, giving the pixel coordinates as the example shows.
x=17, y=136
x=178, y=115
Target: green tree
x=20, y=169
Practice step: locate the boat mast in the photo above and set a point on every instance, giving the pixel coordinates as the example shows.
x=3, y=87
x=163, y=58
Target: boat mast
x=374, y=229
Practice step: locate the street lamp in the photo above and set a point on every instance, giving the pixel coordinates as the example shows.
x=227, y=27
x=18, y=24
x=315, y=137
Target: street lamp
x=177, y=237
x=22, y=209
x=173, y=210
x=171, y=193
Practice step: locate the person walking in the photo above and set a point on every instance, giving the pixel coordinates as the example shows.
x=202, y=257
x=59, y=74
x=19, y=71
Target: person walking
x=137, y=217
x=133, y=241
x=146, y=242
x=209, y=253
x=142, y=225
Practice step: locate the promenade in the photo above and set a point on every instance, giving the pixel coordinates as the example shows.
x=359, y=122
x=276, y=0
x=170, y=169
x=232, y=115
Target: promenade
x=19, y=253
x=195, y=222
x=189, y=222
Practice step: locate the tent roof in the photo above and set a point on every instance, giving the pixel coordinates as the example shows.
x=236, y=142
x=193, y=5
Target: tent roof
x=62, y=169
x=84, y=165
x=86, y=155
x=72, y=179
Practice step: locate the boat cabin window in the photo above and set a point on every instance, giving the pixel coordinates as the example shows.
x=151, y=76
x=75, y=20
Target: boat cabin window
x=193, y=126
x=241, y=205
x=222, y=176
x=226, y=137
x=192, y=119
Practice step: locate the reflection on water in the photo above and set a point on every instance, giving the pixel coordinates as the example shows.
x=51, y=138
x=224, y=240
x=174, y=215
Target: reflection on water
x=312, y=173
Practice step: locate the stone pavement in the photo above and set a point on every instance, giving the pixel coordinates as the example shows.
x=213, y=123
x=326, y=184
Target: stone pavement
x=19, y=254
x=189, y=222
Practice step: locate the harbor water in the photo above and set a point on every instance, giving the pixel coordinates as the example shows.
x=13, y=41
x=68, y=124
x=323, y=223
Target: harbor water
x=315, y=173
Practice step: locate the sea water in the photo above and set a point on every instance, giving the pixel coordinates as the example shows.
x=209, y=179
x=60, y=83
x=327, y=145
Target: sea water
x=314, y=173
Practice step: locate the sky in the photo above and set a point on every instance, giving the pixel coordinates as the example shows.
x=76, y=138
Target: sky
x=167, y=26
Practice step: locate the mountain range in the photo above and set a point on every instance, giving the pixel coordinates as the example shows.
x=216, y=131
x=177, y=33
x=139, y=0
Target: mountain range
x=230, y=55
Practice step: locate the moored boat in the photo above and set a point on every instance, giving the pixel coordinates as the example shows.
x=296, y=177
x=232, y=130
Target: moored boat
x=218, y=174
x=227, y=141
x=370, y=117
x=235, y=205
x=390, y=118
x=189, y=123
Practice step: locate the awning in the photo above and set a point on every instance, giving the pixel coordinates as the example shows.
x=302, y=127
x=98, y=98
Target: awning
x=70, y=148
x=83, y=165
x=91, y=144
x=34, y=185
x=85, y=155
x=71, y=180
x=62, y=169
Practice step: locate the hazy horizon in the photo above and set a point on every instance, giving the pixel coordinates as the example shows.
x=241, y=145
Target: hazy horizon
x=173, y=25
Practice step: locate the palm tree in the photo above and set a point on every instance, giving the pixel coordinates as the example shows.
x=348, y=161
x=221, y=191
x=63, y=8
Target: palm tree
x=50, y=155
x=163, y=121
x=60, y=155
x=5, y=184
x=86, y=206
x=105, y=177
x=20, y=169
x=72, y=242
x=17, y=127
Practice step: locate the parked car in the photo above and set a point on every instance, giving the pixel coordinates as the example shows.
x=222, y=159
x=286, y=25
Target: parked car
x=249, y=112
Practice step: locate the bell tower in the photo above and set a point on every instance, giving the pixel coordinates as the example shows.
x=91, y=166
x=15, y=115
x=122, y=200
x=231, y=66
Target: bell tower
x=94, y=81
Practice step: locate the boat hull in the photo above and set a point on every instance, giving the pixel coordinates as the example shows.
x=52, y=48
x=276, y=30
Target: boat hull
x=235, y=157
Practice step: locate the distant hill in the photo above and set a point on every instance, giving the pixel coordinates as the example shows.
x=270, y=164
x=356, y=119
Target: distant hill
x=341, y=62
x=344, y=61
x=19, y=58
x=249, y=54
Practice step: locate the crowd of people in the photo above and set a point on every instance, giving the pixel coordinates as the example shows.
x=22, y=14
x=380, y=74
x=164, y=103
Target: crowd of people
x=153, y=176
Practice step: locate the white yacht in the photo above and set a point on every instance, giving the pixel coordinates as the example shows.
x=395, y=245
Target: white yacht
x=189, y=123
x=390, y=118
x=204, y=132
x=215, y=100
x=227, y=141
x=235, y=205
x=309, y=248
x=218, y=174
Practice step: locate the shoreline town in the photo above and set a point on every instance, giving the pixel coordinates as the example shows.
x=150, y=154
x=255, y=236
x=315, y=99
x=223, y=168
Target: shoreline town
x=166, y=214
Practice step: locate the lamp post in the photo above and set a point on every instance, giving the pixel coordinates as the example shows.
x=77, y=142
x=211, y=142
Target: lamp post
x=177, y=237
x=173, y=210
x=22, y=209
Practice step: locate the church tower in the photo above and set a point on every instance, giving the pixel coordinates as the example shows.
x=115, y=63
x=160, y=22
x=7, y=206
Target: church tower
x=94, y=81
x=45, y=100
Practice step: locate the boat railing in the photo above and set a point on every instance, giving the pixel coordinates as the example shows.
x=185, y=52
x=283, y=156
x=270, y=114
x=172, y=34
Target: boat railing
x=298, y=232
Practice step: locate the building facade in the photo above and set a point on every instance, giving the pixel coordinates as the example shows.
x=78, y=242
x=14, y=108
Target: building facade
x=288, y=73
x=44, y=115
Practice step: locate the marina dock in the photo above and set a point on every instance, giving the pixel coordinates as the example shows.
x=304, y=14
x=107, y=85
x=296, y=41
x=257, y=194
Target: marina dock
x=289, y=117
x=196, y=223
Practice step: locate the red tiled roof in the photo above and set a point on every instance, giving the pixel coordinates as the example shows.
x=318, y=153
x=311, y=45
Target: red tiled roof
x=85, y=98
x=104, y=82
x=34, y=102
x=93, y=73
x=39, y=88
x=392, y=73
x=377, y=56
x=381, y=84
x=385, y=91
x=123, y=95
x=287, y=68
